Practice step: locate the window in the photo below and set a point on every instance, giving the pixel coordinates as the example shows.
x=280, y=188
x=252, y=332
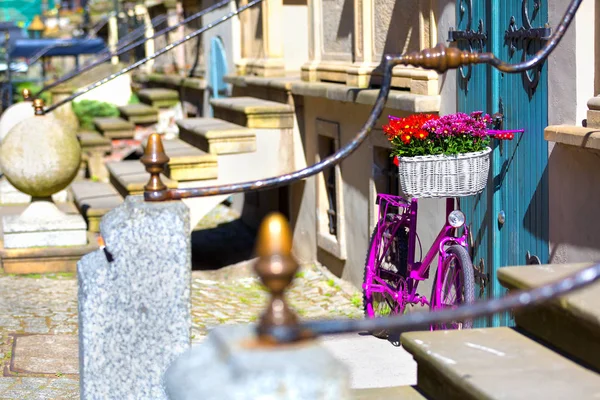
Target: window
x=385, y=172
x=330, y=215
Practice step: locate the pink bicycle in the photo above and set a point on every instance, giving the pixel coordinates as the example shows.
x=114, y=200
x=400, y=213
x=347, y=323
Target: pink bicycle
x=392, y=274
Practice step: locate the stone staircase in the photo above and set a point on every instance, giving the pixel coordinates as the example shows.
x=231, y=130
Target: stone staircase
x=249, y=139
x=553, y=353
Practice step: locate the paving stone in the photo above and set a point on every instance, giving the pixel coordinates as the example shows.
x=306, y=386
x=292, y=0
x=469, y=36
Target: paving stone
x=46, y=354
x=236, y=288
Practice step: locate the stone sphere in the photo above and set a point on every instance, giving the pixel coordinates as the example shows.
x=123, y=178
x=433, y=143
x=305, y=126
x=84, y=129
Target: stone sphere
x=39, y=157
x=13, y=115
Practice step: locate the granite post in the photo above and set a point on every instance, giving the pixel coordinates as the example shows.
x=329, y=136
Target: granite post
x=232, y=365
x=134, y=311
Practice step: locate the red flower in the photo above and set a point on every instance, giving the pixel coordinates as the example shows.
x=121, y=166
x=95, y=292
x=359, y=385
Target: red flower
x=396, y=161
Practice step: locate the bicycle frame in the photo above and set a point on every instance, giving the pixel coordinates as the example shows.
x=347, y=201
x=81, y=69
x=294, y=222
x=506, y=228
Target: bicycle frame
x=416, y=270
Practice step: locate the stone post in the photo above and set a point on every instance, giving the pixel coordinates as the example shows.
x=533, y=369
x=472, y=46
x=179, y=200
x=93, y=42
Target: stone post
x=593, y=114
x=268, y=61
x=243, y=363
x=134, y=301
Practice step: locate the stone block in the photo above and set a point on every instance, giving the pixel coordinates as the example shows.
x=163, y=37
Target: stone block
x=92, y=141
x=159, y=97
x=94, y=200
x=130, y=177
x=254, y=113
x=570, y=323
x=187, y=163
x=232, y=365
x=42, y=224
x=11, y=195
x=114, y=128
x=216, y=136
x=134, y=312
x=593, y=119
x=139, y=113
x=42, y=260
x=495, y=363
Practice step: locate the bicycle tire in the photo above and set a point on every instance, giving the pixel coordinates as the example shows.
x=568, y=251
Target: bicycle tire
x=466, y=276
x=402, y=248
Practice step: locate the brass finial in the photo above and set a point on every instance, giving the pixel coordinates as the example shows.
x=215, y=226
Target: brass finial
x=38, y=106
x=276, y=269
x=26, y=94
x=154, y=159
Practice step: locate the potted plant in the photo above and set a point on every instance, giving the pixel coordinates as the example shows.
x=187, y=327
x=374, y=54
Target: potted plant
x=444, y=156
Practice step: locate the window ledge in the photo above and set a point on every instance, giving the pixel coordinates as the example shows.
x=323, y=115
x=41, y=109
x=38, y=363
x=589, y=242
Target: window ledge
x=397, y=99
x=586, y=138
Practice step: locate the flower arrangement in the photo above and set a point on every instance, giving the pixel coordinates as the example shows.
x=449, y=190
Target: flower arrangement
x=426, y=134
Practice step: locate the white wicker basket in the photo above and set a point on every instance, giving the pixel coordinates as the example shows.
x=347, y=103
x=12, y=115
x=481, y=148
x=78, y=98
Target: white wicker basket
x=444, y=176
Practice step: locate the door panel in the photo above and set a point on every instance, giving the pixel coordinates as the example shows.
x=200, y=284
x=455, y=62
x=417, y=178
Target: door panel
x=517, y=188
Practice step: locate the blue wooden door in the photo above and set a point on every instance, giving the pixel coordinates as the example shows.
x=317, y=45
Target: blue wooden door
x=510, y=219
x=217, y=70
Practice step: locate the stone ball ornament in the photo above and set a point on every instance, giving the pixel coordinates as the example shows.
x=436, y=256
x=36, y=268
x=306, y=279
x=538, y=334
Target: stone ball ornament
x=13, y=115
x=39, y=156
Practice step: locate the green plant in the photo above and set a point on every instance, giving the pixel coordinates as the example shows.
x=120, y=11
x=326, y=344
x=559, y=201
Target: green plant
x=133, y=99
x=356, y=300
x=87, y=110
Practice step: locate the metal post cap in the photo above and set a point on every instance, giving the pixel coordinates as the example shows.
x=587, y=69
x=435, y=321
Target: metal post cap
x=154, y=159
x=276, y=269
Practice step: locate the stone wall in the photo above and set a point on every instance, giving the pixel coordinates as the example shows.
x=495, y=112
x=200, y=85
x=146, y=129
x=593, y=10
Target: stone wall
x=349, y=37
x=574, y=192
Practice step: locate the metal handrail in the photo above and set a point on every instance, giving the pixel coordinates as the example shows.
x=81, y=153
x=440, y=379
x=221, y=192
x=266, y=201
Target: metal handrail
x=44, y=51
x=140, y=42
x=423, y=320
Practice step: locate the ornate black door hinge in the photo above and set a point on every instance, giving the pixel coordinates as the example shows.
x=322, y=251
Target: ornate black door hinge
x=526, y=36
x=481, y=277
x=474, y=39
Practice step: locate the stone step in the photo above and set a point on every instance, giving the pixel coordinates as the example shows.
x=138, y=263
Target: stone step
x=139, y=113
x=571, y=323
x=114, y=127
x=387, y=393
x=187, y=163
x=254, y=113
x=216, y=136
x=93, y=200
x=495, y=363
x=94, y=142
x=159, y=97
x=130, y=177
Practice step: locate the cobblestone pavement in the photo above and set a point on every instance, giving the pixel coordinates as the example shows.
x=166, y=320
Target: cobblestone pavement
x=47, y=304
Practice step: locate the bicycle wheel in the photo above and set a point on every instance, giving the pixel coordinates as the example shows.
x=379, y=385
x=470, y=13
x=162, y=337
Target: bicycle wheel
x=387, y=260
x=457, y=286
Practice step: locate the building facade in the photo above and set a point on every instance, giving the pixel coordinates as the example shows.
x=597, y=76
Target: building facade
x=323, y=58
